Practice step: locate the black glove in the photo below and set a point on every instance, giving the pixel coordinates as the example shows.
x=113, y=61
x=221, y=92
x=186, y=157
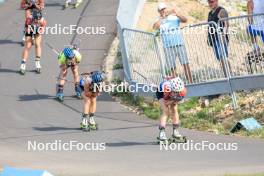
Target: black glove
x=176, y=97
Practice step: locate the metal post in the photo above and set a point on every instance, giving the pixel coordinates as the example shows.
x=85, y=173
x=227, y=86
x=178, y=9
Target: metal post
x=226, y=65
x=159, y=57
x=126, y=64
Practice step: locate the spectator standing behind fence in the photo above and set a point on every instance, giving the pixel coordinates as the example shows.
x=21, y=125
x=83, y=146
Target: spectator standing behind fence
x=169, y=26
x=256, y=24
x=220, y=45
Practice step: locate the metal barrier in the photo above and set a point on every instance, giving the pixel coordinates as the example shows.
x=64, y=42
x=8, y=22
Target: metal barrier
x=211, y=58
x=143, y=56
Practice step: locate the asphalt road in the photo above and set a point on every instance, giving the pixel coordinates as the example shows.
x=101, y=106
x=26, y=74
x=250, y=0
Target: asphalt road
x=28, y=111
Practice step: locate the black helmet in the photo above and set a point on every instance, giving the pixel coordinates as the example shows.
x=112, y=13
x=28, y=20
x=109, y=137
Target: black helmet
x=37, y=15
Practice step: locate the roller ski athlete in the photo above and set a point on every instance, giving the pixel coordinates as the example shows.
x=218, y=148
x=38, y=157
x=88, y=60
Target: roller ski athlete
x=70, y=2
x=169, y=93
x=90, y=85
x=34, y=28
x=29, y=6
x=69, y=58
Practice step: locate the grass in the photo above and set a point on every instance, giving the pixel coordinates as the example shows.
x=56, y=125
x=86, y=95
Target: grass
x=118, y=66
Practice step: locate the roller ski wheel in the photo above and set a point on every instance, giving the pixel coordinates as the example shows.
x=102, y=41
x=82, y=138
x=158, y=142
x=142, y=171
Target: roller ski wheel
x=22, y=71
x=93, y=126
x=85, y=128
x=60, y=98
x=38, y=70
x=78, y=96
x=162, y=141
x=175, y=139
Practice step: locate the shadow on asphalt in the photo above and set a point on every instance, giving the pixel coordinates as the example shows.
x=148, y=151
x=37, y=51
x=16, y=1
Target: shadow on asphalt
x=56, y=4
x=6, y=70
x=54, y=128
x=134, y=127
x=128, y=144
x=5, y=42
x=35, y=97
x=124, y=120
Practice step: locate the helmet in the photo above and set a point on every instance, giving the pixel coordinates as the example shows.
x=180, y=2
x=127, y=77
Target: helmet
x=69, y=54
x=97, y=77
x=37, y=15
x=78, y=55
x=177, y=84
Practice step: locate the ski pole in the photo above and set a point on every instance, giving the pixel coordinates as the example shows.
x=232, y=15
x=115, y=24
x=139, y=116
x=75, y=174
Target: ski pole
x=52, y=48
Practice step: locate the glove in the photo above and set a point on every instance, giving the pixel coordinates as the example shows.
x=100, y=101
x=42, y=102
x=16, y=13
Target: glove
x=176, y=97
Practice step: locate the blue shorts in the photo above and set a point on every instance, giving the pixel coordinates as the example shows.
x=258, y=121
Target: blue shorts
x=219, y=50
x=256, y=32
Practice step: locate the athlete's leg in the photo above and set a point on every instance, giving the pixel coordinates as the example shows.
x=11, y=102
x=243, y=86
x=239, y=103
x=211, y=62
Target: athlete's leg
x=38, y=51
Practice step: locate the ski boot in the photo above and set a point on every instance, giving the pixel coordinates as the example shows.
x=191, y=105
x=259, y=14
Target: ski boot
x=92, y=124
x=78, y=3
x=23, y=68
x=177, y=137
x=60, y=96
x=84, y=124
x=65, y=6
x=162, y=138
x=38, y=66
x=78, y=91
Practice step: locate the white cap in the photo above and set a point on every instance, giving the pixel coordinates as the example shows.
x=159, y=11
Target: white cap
x=162, y=6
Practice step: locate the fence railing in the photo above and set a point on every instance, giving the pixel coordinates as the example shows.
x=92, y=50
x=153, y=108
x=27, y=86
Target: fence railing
x=229, y=52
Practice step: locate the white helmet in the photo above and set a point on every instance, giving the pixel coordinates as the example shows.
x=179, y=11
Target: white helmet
x=177, y=84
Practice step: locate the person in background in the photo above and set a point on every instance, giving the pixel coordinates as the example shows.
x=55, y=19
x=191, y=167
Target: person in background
x=256, y=24
x=168, y=25
x=219, y=45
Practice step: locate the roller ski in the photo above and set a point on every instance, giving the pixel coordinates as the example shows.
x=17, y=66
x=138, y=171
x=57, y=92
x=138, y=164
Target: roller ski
x=38, y=66
x=22, y=68
x=65, y=6
x=78, y=3
x=177, y=137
